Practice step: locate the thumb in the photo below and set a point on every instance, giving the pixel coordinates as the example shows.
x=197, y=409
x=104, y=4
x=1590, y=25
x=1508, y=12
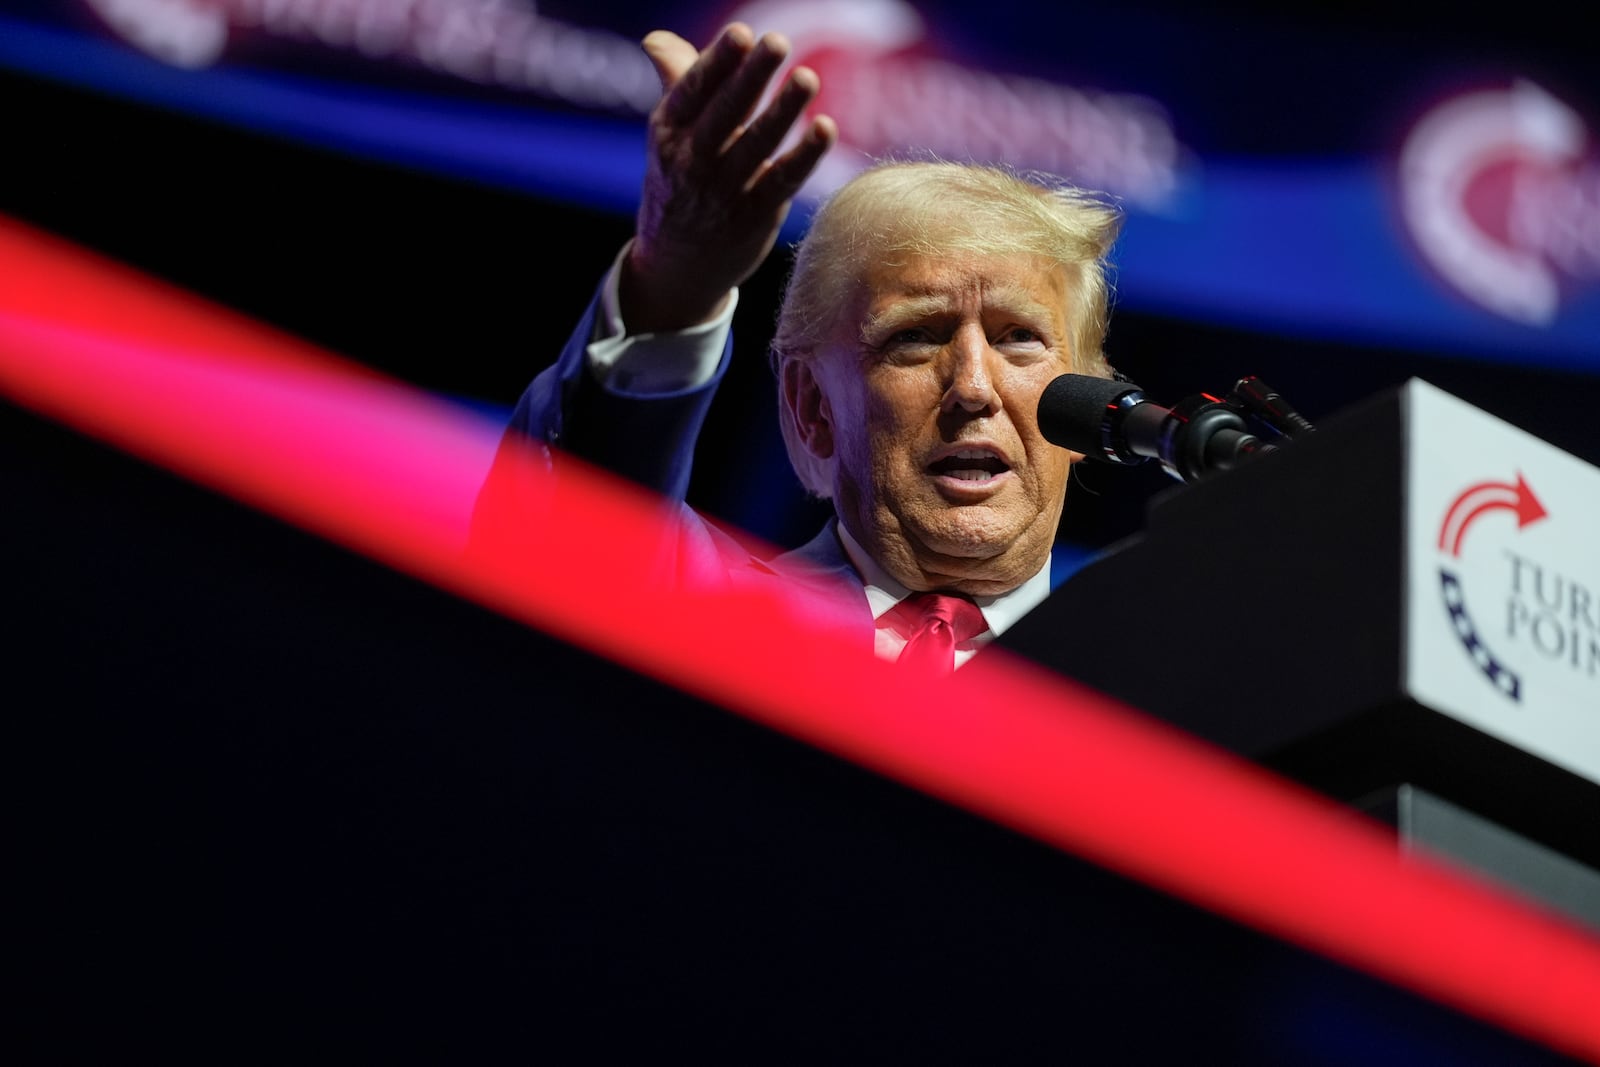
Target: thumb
x=670, y=54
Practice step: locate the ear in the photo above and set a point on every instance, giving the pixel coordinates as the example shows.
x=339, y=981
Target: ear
x=808, y=407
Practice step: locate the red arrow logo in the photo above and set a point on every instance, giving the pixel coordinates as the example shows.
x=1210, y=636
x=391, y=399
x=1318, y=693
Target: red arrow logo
x=1483, y=498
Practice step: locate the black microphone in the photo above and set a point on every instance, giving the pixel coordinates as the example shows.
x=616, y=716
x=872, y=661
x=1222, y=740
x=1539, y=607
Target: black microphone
x=1263, y=405
x=1112, y=421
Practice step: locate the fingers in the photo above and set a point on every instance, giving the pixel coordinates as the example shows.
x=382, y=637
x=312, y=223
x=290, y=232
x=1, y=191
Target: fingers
x=740, y=94
x=670, y=54
x=783, y=179
x=699, y=84
x=699, y=129
x=763, y=136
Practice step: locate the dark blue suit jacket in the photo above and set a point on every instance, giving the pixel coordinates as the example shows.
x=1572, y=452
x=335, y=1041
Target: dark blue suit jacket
x=650, y=439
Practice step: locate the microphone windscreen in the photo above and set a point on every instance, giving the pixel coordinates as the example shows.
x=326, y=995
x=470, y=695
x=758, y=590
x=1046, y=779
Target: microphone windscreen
x=1073, y=410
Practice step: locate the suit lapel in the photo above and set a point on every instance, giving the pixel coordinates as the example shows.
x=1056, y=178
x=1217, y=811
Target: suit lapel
x=821, y=569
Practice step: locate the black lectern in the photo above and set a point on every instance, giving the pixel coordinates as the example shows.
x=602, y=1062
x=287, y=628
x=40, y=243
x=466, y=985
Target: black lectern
x=1401, y=610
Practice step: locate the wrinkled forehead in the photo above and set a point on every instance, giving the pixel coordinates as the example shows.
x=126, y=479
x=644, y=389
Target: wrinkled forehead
x=962, y=281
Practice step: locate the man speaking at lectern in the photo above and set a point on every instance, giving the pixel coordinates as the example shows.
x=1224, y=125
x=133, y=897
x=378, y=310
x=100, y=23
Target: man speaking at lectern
x=929, y=306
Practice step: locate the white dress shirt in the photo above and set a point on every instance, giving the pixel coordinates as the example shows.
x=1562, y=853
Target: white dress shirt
x=884, y=593
x=644, y=363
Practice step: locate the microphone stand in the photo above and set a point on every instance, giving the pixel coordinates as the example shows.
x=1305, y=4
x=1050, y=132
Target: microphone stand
x=1203, y=434
x=1265, y=407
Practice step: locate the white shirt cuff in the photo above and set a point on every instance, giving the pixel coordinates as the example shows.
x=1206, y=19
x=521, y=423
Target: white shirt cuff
x=653, y=363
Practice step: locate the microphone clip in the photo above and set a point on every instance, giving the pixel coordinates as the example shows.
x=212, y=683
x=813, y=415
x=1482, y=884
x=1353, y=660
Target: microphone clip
x=1202, y=434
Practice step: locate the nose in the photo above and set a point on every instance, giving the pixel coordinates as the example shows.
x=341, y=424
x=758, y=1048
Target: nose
x=971, y=386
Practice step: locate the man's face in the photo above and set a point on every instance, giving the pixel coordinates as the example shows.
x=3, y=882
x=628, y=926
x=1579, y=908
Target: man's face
x=931, y=395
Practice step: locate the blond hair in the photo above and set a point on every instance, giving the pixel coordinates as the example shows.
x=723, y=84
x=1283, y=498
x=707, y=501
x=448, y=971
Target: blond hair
x=931, y=209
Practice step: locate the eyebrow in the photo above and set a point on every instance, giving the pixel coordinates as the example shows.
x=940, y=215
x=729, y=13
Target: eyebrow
x=902, y=312
x=919, y=306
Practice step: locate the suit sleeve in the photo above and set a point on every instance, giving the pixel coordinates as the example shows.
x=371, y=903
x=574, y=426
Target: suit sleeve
x=646, y=437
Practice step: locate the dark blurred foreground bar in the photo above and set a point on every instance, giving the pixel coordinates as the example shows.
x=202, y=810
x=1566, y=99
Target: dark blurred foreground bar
x=277, y=801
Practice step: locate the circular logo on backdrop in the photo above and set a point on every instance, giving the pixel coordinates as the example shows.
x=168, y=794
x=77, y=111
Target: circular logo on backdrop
x=1503, y=199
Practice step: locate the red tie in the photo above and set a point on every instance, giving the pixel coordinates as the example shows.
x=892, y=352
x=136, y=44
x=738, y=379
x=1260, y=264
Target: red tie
x=942, y=622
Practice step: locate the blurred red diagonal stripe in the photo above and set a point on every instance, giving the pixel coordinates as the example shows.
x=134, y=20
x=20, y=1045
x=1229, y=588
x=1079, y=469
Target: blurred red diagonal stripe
x=394, y=473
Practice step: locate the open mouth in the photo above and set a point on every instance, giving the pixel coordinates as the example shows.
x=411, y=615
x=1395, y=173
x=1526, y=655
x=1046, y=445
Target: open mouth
x=970, y=465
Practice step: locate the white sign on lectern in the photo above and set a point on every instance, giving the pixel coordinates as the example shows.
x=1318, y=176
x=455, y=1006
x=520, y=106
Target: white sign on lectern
x=1503, y=581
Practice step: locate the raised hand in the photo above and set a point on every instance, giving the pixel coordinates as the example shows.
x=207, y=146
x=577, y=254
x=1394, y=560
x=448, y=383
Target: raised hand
x=714, y=194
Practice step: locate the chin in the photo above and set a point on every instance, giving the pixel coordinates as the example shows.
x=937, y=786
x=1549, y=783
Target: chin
x=971, y=533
